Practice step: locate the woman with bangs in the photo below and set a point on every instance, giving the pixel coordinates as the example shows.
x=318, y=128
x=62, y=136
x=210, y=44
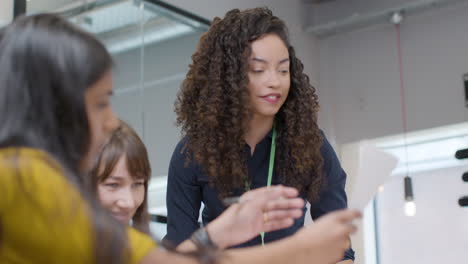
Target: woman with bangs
x=120, y=178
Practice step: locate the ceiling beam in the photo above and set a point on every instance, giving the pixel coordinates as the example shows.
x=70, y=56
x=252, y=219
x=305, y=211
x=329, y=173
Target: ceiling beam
x=356, y=20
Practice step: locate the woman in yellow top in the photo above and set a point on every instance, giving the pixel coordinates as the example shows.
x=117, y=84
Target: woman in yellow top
x=55, y=114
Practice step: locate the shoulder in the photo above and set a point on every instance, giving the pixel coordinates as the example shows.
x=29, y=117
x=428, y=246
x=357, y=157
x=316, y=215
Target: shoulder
x=36, y=189
x=181, y=153
x=27, y=163
x=183, y=164
x=331, y=163
x=33, y=172
x=181, y=147
x=326, y=149
x=140, y=244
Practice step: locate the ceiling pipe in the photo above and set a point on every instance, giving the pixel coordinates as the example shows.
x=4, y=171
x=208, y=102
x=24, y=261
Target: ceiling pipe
x=357, y=20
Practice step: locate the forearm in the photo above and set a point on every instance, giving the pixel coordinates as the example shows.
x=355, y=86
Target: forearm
x=284, y=251
x=186, y=246
x=258, y=255
x=324, y=242
x=276, y=252
x=216, y=233
x=160, y=256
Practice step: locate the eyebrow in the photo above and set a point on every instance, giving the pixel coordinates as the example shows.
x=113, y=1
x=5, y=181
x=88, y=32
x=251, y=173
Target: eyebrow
x=106, y=94
x=120, y=178
x=265, y=61
x=115, y=178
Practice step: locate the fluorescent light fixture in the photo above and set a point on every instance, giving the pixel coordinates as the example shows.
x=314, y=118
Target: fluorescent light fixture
x=126, y=25
x=150, y=37
x=112, y=16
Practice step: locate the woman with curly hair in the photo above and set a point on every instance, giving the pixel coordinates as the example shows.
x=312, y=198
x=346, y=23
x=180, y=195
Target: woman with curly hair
x=248, y=115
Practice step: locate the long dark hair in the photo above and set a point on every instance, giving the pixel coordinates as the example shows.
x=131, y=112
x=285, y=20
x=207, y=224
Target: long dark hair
x=213, y=106
x=46, y=66
x=125, y=141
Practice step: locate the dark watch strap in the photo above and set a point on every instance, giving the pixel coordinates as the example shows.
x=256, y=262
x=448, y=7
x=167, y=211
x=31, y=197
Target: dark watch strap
x=202, y=239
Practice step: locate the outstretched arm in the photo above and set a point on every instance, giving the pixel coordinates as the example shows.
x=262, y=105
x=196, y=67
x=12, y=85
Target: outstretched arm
x=323, y=242
x=261, y=210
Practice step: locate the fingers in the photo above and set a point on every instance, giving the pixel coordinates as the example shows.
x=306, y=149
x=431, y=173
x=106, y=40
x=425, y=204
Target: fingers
x=279, y=219
x=280, y=204
x=282, y=214
x=346, y=216
x=275, y=192
x=343, y=222
x=269, y=199
x=270, y=193
x=340, y=222
x=279, y=224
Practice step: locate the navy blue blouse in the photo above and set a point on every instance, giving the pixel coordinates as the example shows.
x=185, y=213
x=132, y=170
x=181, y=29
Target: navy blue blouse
x=188, y=187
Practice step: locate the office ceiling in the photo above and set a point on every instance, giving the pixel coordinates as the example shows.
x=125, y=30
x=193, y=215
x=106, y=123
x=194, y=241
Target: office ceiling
x=338, y=16
x=323, y=17
x=36, y=6
x=120, y=24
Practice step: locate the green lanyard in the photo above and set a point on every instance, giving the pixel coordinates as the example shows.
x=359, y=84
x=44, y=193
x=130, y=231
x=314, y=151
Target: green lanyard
x=270, y=169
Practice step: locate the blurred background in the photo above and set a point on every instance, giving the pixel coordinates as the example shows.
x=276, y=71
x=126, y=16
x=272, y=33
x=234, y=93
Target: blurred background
x=390, y=72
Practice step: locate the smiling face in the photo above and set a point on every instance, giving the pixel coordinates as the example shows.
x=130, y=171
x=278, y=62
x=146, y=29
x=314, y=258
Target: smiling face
x=121, y=193
x=269, y=77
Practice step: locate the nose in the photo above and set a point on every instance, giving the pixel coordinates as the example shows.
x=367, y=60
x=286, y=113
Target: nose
x=273, y=79
x=112, y=122
x=125, y=200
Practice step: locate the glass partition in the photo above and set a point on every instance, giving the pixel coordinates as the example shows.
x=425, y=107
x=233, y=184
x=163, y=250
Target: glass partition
x=151, y=43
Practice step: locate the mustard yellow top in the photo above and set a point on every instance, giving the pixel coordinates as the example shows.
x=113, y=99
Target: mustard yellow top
x=43, y=218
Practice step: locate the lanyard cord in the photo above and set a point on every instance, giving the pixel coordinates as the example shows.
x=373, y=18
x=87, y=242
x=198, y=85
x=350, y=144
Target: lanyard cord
x=270, y=169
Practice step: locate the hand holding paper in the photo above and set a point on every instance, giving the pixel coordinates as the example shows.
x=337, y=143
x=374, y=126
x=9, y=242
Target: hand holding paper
x=369, y=169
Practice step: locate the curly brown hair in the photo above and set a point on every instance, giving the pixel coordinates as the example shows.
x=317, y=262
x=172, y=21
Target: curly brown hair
x=213, y=110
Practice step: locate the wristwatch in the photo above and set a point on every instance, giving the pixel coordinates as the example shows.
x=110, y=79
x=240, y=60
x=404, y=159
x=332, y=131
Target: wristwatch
x=202, y=239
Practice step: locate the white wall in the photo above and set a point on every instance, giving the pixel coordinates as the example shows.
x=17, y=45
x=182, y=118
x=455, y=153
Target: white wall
x=359, y=78
x=6, y=12
x=438, y=233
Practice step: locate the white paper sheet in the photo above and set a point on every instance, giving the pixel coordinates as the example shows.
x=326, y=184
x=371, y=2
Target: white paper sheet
x=373, y=169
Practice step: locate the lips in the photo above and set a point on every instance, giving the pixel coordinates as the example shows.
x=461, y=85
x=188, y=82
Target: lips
x=271, y=98
x=124, y=218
